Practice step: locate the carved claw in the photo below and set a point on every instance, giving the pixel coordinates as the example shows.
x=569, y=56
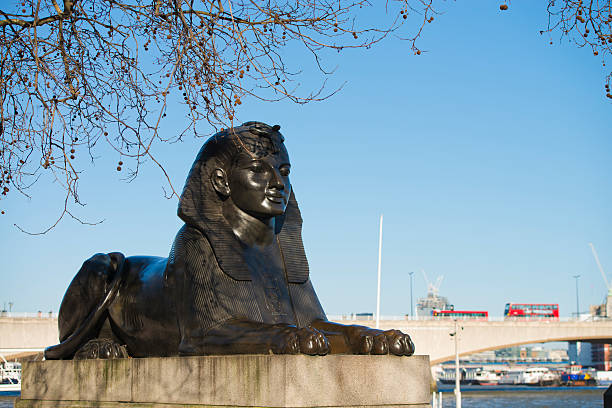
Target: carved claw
x=101, y=348
x=306, y=340
x=400, y=343
x=313, y=342
x=360, y=338
x=323, y=344
x=290, y=344
x=372, y=341
x=380, y=344
x=366, y=343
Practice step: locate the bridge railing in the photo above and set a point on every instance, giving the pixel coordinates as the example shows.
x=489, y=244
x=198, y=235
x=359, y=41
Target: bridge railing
x=30, y=315
x=367, y=317
x=364, y=317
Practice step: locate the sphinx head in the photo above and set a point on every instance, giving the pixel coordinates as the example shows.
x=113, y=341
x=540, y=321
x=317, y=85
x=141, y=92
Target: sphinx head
x=253, y=169
x=248, y=166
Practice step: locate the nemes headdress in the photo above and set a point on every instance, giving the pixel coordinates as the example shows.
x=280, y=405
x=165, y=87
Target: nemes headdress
x=200, y=204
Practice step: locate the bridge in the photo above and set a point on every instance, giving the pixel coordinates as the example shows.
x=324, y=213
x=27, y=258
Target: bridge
x=431, y=337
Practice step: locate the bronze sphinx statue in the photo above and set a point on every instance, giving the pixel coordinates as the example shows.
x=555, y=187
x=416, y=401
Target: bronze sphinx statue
x=236, y=280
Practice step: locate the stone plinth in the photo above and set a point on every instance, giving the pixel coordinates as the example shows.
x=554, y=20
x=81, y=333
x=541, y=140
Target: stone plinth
x=229, y=381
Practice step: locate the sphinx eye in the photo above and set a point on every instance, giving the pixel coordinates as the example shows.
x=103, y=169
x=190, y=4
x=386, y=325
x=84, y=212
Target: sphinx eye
x=257, y=167
x=284, y=171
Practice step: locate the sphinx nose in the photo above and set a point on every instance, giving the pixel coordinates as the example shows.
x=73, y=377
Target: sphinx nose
x=276, y=181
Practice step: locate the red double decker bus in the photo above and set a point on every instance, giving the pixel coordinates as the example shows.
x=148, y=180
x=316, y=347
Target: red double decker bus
x=460, y=314
x=532, y=310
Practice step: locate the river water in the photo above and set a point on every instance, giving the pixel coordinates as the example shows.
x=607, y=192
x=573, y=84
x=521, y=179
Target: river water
x=535, y=397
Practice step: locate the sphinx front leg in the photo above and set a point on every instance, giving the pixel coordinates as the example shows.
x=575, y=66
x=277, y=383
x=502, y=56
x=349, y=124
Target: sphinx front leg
x=247, y=337
x=355, y=339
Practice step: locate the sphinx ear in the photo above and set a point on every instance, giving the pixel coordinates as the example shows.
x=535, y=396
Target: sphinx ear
x=220, y=182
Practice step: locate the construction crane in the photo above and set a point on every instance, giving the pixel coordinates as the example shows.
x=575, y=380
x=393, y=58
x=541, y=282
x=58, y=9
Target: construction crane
x=433, y=288
x=603, y=275
x=433, y=300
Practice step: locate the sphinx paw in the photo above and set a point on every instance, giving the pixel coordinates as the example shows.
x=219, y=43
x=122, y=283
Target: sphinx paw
x=313, y=342
x=400, y=343
x=306, y=341
x=289, y=343
x=369, y=341
x=101, y=348
x=365, y=340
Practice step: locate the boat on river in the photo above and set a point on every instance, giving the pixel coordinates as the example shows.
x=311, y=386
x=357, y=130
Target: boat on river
x=538, y=376
x=604, y=378
x=448, y=377
x=510, y=377
x=530, y=376
x=10, y=377
x=487, y=377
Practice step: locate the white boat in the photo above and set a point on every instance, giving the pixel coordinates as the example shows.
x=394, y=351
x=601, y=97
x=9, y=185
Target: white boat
x=10, y=376
x=604, y=378
x=510, y=377
x=486, y=377
x=538, y=376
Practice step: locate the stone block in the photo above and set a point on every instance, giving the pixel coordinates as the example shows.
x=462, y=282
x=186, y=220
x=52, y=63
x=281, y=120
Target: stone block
x=229, y=381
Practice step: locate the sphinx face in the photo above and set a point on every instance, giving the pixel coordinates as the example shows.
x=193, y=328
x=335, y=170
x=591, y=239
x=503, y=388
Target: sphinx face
x=260, y=186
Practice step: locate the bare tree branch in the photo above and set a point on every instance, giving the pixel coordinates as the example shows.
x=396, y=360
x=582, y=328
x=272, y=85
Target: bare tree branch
x=79, y=73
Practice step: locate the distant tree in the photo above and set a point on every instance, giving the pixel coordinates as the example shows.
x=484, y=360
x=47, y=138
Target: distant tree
x=104, y=71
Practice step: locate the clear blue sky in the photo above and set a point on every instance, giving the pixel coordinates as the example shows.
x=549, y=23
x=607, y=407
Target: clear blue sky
x=489, y=155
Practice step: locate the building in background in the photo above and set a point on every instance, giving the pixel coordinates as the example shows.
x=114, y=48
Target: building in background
x=580, y=352
x=601, y=356
x=558, y=355
x=598, y=310
x=509, y=354
x=484, y=357
x=433, y=301
x=596, y=355
x=521, y=354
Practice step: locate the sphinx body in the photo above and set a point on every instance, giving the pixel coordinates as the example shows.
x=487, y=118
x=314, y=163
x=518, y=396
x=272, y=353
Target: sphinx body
x=236, y=279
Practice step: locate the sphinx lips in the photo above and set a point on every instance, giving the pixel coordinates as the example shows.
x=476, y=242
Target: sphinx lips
x=276, y=198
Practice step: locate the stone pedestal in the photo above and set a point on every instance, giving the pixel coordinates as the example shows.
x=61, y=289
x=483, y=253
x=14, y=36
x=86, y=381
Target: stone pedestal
x=228, y=381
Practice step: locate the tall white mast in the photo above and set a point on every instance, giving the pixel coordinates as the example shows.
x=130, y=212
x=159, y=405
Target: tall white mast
x=379, y=263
